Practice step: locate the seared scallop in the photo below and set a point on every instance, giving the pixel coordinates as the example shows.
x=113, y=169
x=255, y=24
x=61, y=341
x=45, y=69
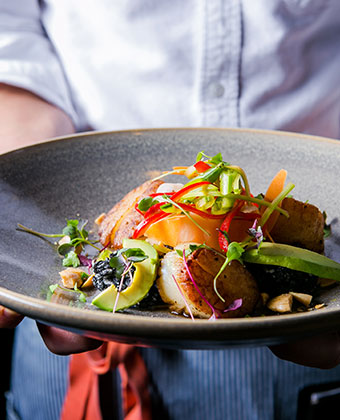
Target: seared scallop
x=235, y=282
x=303, y=227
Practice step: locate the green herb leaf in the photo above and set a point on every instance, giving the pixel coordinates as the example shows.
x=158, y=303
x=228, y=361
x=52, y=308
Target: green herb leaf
x=64, y=248
x=84, y=276
x=216, y=159
x=71, y=260
x=199, y=156
x=71, y=229
x=82, y=295
x=146, y=203
x=190, y=250
x=135, y=254
x=53, y=287
x=234, y=252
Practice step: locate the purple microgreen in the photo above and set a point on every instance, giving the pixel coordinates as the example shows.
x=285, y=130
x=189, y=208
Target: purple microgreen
x=128, y=266
x=256, y=232
x=185, y=301
x=236, y=304
x=196, y=287
x=85, y=261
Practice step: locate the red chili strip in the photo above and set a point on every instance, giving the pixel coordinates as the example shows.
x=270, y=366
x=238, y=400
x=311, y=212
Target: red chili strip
x=190, y=187
x=144, y=224
x=222, y=240
x=201, y=166
x=137, y=209
x=153, y=209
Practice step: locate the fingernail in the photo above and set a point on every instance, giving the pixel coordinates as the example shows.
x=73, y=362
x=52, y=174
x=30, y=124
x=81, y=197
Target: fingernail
x=8, y=313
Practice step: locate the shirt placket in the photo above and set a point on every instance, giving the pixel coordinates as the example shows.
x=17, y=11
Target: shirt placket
x=221, y=60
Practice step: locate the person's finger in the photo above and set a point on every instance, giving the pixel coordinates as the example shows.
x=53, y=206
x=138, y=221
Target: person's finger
x=9, y=318
x=322, y=351
x=64, y=342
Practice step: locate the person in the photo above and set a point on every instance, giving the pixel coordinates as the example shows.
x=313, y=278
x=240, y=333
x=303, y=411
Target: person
x=67, y=67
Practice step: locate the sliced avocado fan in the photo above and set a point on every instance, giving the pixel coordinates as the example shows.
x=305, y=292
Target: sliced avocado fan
x=294, y=258
x=143, y=279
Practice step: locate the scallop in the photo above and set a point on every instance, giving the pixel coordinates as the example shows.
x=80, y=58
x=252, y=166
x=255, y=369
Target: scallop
x=178, y=290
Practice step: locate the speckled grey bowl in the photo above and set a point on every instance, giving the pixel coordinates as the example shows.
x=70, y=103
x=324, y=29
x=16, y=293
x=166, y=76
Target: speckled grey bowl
x=84, y=175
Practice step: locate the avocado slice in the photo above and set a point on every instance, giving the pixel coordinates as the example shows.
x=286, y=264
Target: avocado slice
x=143, y=279
x=294, y=258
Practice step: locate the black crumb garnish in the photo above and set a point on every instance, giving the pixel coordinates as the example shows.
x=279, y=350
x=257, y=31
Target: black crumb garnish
x=276, y=280
x=105, y=276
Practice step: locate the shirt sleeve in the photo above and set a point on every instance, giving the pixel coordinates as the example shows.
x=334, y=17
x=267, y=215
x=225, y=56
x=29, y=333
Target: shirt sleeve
x=27, y=57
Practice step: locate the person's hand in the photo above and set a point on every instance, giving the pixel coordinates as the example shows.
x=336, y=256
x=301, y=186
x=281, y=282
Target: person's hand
x=9, y=318
x=58, y=341
x=322, y=351
x=26, y=119
x=64, y=342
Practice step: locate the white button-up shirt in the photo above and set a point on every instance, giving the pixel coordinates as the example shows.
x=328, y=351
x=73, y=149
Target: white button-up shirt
x=159, y=63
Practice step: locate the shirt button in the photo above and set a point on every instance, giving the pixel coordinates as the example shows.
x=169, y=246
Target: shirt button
x=216, y=90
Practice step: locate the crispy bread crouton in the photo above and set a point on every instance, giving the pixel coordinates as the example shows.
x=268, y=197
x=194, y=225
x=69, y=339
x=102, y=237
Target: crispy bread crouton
x=121, y=220
x=303, y=227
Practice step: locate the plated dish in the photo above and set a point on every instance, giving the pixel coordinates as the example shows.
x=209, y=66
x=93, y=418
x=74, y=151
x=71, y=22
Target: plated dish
x=80, y=176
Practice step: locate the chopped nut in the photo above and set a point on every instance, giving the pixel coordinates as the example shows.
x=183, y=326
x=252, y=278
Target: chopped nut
x=319, y=306
x=282, y=303
x=264, y=298
x=303, y=298
x=71, y=277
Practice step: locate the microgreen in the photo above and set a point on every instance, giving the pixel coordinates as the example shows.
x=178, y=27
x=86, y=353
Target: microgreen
x=75, y=234
x=146, y=203
x=71, y=260
x=256, y=232
x=121, y=258
x=189, y=250
x=234, y=252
